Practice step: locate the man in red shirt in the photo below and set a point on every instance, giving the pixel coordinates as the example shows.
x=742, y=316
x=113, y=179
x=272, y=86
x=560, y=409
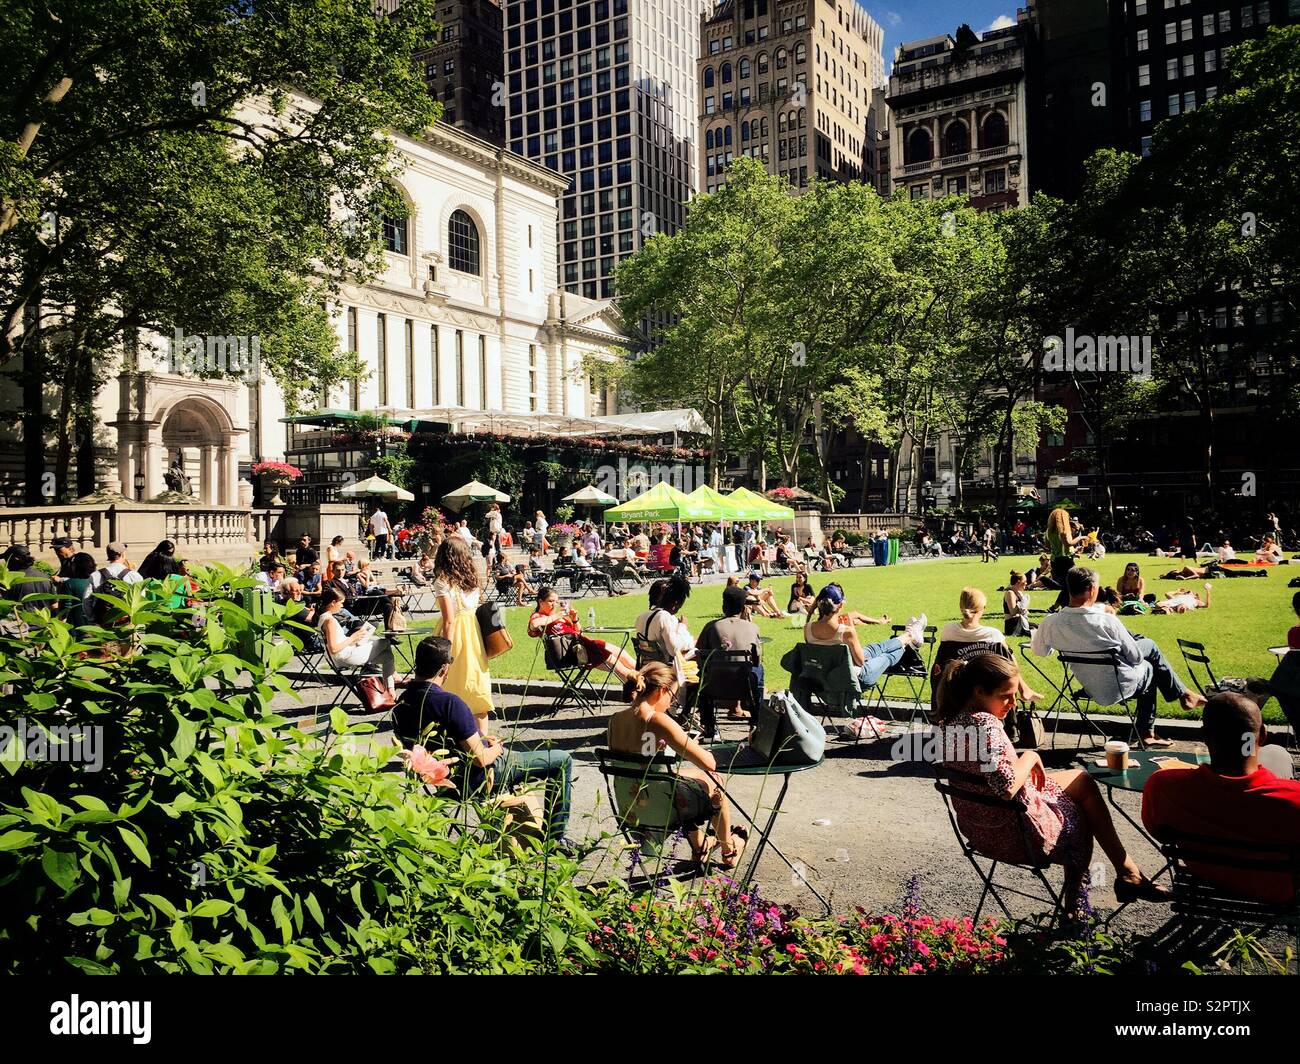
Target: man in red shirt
x=1232, y=797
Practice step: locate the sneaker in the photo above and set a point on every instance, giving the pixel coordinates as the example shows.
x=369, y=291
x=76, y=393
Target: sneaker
x=916, y=629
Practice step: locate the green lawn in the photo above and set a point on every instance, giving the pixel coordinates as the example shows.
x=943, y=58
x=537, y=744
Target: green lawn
x=1247, y=617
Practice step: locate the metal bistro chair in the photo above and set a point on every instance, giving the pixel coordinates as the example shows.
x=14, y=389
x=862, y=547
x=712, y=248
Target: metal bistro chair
x=560, y=653
x=1204, y=911
x=1111, y=658
x=973, y=787
x=1066, y=694
x=826, y=675
x=1195, y=653
x=726, y=679
x=642, y=792
x=915, y=678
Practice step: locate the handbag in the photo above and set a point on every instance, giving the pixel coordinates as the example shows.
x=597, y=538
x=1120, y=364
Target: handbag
x=1029, y=733
x=397, y=621
x=492, y=624
x=787, y=733
x=375, y=694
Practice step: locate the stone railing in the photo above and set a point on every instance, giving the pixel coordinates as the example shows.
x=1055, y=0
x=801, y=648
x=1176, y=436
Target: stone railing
x=869, y=522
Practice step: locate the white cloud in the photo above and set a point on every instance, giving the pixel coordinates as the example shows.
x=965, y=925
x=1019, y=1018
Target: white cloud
x=893, y=18
x=1002, y=22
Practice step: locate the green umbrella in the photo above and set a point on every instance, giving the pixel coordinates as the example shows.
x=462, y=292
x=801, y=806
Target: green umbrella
x=663, y=502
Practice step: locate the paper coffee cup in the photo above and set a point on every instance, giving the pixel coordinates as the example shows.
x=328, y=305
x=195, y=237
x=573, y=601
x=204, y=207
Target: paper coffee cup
x=1117, y=754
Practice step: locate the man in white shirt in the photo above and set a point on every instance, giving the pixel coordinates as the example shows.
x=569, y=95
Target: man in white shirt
x=118, y=568
x=382, y=529
x=1084, y=628
x=462, y=530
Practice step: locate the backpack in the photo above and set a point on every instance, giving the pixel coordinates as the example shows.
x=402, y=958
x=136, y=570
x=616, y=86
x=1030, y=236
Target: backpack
x=100, y=611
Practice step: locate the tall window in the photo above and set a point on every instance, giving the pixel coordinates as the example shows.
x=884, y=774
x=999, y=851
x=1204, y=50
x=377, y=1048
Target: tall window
x=354, y=386
x=994, y=134
x=532, y=377
x=381, y=350
x=460, y=368
x=410, y=364
x=463, y=243
x=433, y=362
x=482, y=373
x=395, y=234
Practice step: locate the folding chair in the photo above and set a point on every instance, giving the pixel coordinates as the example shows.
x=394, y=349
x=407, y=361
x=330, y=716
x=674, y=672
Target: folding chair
x=1102, y=658
x=1204, y=912
x=826, y=675
x=1195, y=652
x=642, y=794
x=915, y=677
x=560, y=653
x=1066, y=694
x=973, y=787
x=726, y=678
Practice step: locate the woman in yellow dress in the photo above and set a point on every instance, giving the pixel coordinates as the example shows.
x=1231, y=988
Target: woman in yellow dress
x=456, y=589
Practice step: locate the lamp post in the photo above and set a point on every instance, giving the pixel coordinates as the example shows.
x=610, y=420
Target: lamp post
x=138, y=480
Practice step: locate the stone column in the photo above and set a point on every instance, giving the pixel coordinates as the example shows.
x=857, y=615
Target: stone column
x=207, y=477
x=149, y=459
x=229, y=469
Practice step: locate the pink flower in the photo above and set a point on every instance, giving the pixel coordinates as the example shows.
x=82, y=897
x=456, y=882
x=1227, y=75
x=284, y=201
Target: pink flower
x=428, y=767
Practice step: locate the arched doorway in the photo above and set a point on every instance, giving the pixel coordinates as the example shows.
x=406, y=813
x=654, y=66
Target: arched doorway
x=198, y=451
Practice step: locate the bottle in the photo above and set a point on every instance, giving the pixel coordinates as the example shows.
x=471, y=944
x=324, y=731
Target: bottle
x=591, y=616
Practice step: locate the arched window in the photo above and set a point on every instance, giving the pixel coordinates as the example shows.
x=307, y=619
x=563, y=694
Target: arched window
x=726, y=73
x=708, y=140
x=920, y=148
x=726, y=136
x=780, y=122
x=762, y=62
x=744, y=132
x=763, y=125
x=742, y=68
x=395, y=231
x=708, y=77
x=803, y=118
x=462, y=243
x=956, y=139
x=994, y=133
x=800, y=52
x=780, y=59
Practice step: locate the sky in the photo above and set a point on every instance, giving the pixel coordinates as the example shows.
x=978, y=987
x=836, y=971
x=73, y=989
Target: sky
x=910, y=20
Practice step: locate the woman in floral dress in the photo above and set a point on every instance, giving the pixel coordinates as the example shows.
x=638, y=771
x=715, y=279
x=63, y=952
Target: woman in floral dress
x=1060, y=813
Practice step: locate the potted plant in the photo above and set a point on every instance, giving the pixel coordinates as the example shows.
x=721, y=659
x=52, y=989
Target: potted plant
x=562, y=534
x=276, y=476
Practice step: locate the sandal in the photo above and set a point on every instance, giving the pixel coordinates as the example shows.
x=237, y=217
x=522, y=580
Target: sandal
x=1144, y=890
x=731, y=857
x=703, y=855
x=738, y=714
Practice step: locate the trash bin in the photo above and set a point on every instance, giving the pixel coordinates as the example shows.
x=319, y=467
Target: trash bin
x=893, y=550
x=880, y=552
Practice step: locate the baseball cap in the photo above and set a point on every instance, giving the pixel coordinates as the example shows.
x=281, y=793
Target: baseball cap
x=733, y=600
x=117, y=548
x=62, y=541
x=832, y=593
x=754, y=574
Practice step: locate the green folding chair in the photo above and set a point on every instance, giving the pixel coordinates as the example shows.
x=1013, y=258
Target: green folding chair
x=642, y=792
x=825, y=676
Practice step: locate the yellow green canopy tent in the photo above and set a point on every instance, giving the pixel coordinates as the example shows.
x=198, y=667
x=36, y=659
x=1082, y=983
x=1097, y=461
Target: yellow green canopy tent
x=719, y=506
x=754, y=507
x=663, y=502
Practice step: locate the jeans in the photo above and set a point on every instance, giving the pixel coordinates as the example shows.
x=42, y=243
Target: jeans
x=1163, y=679
x=554, y=768
x=877, y=657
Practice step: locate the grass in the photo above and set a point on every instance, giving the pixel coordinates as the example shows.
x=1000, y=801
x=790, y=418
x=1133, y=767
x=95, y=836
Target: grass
x=1248, y=615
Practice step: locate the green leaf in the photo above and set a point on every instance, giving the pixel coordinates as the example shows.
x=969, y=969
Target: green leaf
x=90, y=967
x=186, y=733
x=162, y=905
x=16, y=840
x=211, y=907
x=88, y=801
x=61, y=867
x=96, y=917
x=313, y=907
x=136, y=845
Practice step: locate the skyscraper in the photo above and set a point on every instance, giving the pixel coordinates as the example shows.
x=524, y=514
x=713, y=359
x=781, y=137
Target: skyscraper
x=789, y=85
x=604, y=92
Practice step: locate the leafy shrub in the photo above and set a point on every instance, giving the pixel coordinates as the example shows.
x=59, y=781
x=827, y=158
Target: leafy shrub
x=218, y=837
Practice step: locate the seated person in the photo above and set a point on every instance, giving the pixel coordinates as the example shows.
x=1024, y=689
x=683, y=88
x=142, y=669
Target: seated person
x=1144, y=671
x=840, y=549
x=580, y=560
x=959, y=640
x=698, y=798
x=1293, y=634
x=1269, y=552
x=427, y=714
x=1130, y=585
x=370, y=596
x=732, y=631
x=1181, y=600
x=1108, y=599
x=930, y=546
x=802, y=595
x=661, y=553
x=1015, y=606
x=622, y=565
x=640, y=543
x=361, y=648
x=1233, y=797
x=270, y=575
x=1226, y=553
x=1059, y=814
x=816, y=554
x=291, y=591
x=311, y=578
x=786, y=557
x=834, y=625
x=535, y=570
x=762, y=600
x=1040, y=579
x=421, y=572
x=666, y=634
x=552, y=618
x=522, y=588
